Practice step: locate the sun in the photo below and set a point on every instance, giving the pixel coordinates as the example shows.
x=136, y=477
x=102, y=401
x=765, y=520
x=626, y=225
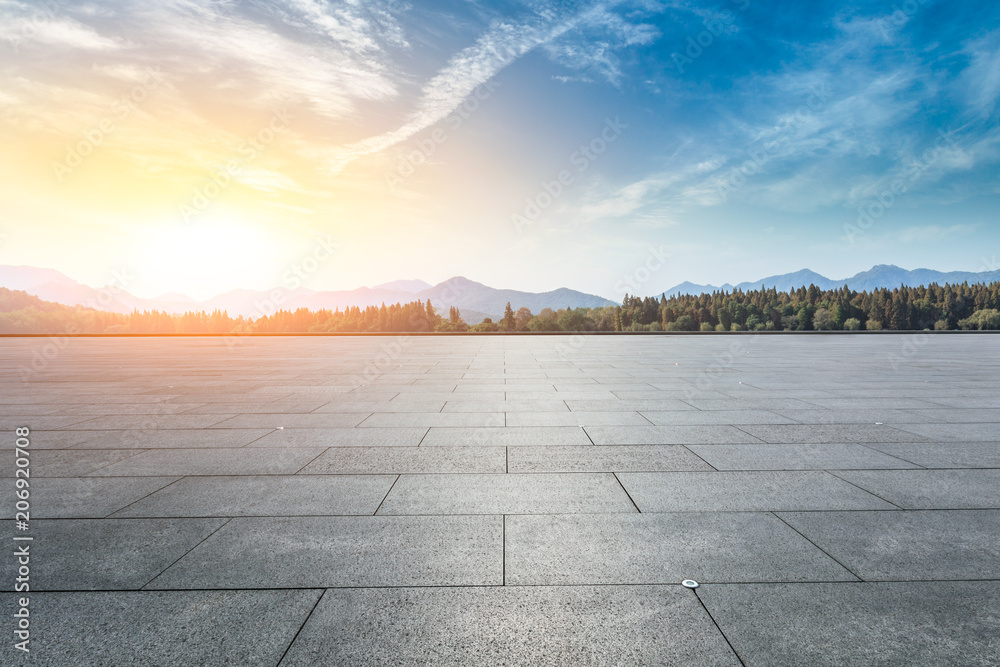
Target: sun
x=212, y=253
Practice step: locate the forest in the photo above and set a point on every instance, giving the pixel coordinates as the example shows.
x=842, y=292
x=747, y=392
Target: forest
x=947, y=307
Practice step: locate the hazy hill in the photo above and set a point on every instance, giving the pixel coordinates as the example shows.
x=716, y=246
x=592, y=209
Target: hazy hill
x=474, y=300
x=468, y=295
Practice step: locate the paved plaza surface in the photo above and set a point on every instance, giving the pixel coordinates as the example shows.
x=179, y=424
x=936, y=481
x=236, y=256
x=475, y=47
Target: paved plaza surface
x=507, y=500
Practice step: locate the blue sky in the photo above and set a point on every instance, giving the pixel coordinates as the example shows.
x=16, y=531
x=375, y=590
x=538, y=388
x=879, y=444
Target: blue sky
x=738, y=139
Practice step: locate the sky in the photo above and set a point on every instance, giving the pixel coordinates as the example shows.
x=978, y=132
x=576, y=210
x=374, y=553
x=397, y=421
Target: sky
x=609, y=147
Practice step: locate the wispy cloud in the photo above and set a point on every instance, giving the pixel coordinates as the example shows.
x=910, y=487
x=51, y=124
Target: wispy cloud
x=500, y=46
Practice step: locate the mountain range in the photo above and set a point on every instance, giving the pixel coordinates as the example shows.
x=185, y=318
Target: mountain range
x=878, y=277
x=474, y=300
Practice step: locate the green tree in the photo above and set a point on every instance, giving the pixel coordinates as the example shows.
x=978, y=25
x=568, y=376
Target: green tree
x=521, y=318
x=509, y=322
x=823, y=320
x=805, y=316
x=982, y=319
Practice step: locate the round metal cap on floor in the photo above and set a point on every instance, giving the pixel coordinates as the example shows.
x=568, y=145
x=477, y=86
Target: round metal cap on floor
x=689, y=583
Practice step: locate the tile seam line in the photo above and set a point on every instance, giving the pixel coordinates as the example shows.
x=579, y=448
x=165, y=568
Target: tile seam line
x=299, y=631
x=308, y=463
x=718, y=627
x=687, y=448
x=760, y=441
x=607, y=513
x=151, y=493
x=868, y=445
x=872, y=493
x=382, y=502
x=657, y=584
x=629, y=495
x=821, y=549
x=200, y=542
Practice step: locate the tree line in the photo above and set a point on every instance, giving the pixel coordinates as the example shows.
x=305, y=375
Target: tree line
x=937, y=307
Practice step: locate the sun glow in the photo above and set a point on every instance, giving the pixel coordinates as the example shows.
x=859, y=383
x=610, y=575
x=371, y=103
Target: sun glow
x=202, y=254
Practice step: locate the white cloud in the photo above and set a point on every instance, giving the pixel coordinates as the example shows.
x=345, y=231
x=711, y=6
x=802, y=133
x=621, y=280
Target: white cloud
x=55, y=31
x=982, y=77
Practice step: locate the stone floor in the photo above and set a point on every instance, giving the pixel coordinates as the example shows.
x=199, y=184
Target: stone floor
x=507, y=500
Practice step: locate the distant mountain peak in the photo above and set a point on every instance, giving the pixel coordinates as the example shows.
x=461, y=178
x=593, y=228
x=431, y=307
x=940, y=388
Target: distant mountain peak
x=411, y=286
x=888, y=276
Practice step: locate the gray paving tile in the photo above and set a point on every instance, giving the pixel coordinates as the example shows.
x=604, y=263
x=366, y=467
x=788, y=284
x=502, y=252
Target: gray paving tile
x=271, y=495
x=966, y=402
x=868, y=403
x=587, y=625
x=939, y=623
x=945, y=455
x=824, y=433
x=87, y=497
x=679, y=393
x=572, y=549
x=313, y=420
x=907, y=546
x=138, y=438
x=435, y=419
x=506, y=494
x=515, y=419
x=860, y=416
x=164, y=628
x=931, y=489
x=61, y=439
x=597, y=458
x=616, y=404
x=716, y=417
x=106, y=554
x=745, y=491
x=796, y=457
x=511, y=405
x=381, y=406
x=243, y=461
x=300, y=406
x=956, y=416
x=730, y=403
x=344, y=551
x=145, y=422
x=39, y=422
x=521, y=436
x=667, y=435
x=397, y=460
x=121, y=409
x=601, y=395
x=953, y=432
x=342, y=437
x=70, y=463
